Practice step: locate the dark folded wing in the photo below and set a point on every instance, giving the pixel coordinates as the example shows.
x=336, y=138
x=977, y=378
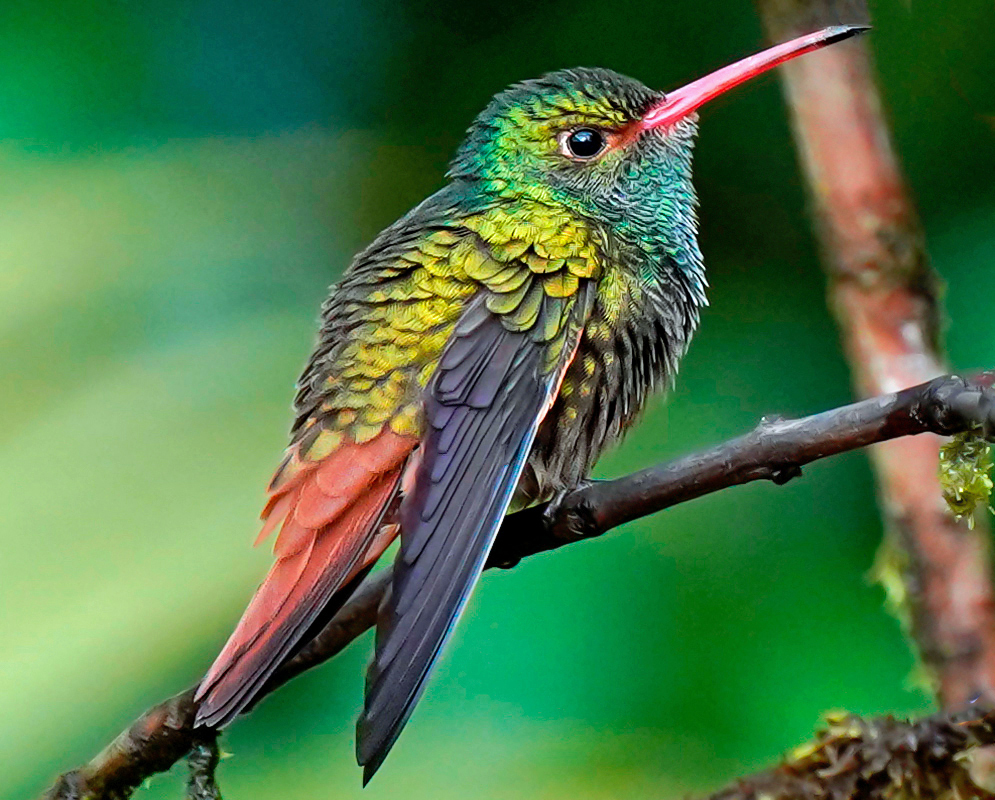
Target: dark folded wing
x=490, y=392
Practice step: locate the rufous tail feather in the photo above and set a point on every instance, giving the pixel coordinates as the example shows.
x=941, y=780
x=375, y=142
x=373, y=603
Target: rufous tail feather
x=333, y=518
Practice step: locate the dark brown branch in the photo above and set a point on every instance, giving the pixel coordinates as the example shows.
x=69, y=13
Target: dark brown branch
x=885, y=296
x=203, y=761
x=153, y=743
x=776, y=451
x=938, y=758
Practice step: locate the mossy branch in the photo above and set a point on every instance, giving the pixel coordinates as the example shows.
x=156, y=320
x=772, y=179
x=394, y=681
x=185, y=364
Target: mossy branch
x=938, y=758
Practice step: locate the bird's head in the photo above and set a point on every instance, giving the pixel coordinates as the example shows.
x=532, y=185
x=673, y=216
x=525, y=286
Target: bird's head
x=607, y=147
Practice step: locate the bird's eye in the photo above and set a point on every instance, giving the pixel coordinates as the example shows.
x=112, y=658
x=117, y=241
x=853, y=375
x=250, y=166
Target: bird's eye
x=583, y=143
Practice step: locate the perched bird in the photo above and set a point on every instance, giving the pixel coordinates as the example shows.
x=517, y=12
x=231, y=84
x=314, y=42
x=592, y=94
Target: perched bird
x=478, y=356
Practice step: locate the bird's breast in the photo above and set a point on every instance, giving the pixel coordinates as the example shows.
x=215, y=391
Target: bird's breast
x=629, y=350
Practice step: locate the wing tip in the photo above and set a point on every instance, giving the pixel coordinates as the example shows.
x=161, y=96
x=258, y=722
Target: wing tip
x=369, y=770
x=367, y=760
x=373, y=743
x=370, y=758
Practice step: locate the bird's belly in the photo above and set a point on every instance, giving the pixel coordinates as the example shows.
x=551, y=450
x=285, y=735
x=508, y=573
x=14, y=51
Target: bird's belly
x=602, y=395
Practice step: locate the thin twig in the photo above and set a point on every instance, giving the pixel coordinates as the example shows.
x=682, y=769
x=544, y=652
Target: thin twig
x=885, y=296
x=776, y=451
x=203, y=762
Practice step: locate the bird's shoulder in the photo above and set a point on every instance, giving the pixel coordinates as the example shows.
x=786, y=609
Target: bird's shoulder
x=460, y=235
x=387, y=321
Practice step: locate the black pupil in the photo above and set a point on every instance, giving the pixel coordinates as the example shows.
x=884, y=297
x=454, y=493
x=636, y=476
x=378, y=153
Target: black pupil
x=585, y=143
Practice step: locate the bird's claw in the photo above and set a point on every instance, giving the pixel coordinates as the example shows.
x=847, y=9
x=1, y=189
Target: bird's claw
x=554, y=507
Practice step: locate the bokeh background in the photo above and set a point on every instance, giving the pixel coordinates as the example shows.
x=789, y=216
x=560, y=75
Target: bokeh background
x=181, y=180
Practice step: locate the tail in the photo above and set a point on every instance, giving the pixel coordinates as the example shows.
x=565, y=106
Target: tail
x=334, y=526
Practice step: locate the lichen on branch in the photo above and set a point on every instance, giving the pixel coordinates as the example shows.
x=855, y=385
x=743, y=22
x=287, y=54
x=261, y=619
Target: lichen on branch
x=965, y=474
x=938, y=758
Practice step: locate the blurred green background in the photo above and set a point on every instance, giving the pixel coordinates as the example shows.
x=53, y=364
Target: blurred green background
x=181, y=180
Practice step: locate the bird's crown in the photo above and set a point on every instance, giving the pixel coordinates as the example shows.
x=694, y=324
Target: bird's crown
x=564, y=119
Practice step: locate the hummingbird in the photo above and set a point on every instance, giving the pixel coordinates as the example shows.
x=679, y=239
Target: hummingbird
x=477, y=357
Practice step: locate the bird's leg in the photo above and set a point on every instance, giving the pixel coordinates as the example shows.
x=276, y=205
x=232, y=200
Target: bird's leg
x=568, y=517
x=557, y=505
x=563, y=518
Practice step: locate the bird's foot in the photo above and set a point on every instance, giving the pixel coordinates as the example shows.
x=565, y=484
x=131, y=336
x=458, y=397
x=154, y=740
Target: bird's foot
x=561, y=516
